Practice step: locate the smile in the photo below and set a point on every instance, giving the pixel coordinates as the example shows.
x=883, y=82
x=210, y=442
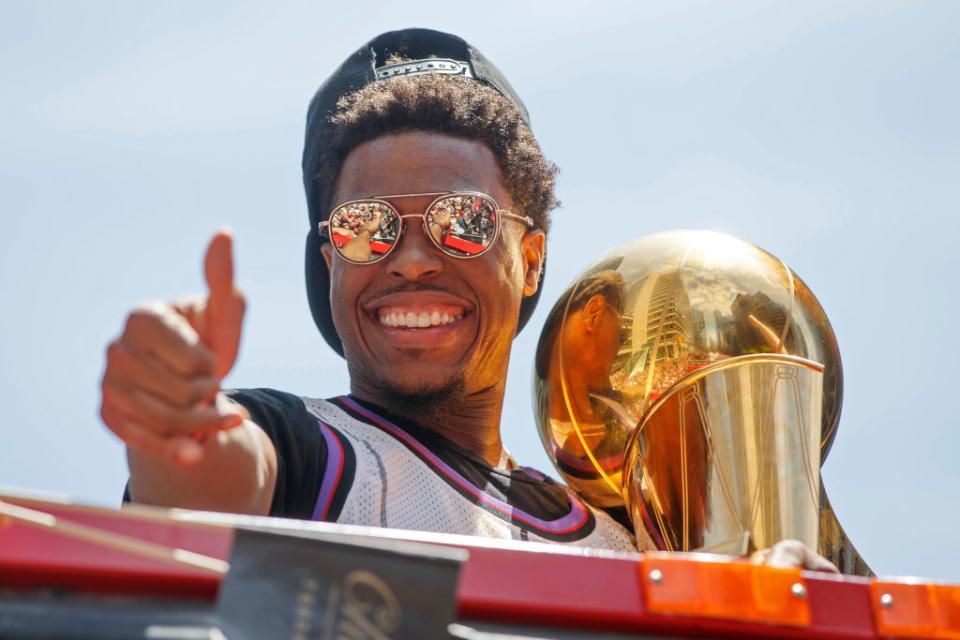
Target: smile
x=420, y=317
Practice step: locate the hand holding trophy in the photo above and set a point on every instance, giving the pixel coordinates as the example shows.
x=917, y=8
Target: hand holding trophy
x=694, y=380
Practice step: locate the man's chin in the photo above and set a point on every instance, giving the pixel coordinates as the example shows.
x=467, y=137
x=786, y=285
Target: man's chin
x=422, y=396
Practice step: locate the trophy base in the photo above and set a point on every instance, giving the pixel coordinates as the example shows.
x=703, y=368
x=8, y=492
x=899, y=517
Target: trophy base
x=833, y=543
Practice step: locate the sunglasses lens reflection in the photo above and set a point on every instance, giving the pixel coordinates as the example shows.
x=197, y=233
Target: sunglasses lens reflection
x=364, y=231
x=462, y=225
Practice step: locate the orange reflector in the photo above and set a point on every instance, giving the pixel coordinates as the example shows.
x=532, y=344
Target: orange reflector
x=681, y=585
x=916, y=610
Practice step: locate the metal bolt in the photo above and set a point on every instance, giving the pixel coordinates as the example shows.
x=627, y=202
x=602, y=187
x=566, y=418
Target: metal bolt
x=886, y=601
x=656, y=576
x=798, y=590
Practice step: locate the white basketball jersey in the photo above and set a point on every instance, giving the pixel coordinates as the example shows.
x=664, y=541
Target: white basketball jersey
x=400, y=483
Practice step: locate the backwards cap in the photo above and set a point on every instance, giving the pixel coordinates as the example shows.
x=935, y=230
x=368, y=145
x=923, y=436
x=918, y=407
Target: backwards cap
x=428, y=52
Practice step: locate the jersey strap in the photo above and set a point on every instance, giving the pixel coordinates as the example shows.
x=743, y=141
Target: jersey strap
x=577, y=523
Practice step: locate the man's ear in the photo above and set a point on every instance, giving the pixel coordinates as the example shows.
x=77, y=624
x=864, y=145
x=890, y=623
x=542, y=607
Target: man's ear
x=532, y=245
x=326, y=249
x=592, y=310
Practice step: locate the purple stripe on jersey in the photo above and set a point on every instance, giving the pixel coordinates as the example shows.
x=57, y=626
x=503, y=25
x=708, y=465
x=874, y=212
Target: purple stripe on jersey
x=570, y=522
x=331, y=475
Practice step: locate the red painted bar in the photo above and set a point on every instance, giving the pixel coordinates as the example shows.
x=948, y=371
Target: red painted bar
x=32, y=557
x=542, y=588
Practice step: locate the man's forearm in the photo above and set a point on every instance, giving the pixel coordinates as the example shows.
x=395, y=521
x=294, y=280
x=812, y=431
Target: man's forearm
x=237, y=473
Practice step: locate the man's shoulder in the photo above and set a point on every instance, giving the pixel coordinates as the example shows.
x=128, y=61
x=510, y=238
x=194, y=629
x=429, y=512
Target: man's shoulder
x=268, y=403
x=274, y=407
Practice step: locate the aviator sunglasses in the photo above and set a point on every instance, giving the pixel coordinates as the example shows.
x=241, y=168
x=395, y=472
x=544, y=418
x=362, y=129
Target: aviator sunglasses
x=461, y=224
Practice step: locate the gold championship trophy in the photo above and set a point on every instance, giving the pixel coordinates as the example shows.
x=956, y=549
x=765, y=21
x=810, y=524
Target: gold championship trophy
x=694, y=379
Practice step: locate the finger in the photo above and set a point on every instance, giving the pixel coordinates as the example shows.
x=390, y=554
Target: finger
x=816, y=562
x=759, y=556
x=127, y=369
x=785, y=554
x=165, y=420
x=179, y=449
x=224, y=312
x=793, y=553
x=157, y=329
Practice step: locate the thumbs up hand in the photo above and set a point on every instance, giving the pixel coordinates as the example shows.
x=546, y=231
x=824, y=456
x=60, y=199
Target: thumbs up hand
x=162, y=378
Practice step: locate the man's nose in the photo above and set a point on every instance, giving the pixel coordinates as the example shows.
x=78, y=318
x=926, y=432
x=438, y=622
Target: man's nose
x=415, y=258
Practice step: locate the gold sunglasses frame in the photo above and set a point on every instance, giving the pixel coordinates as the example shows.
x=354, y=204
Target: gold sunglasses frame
x=438, y=196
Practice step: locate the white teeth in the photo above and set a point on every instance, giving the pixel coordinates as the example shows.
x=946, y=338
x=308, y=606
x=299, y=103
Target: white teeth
x=421, y=320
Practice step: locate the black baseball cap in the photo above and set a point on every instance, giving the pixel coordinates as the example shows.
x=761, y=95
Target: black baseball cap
x=425, y=51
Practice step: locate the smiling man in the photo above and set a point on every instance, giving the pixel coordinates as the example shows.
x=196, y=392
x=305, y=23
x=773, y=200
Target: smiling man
x=429, y=200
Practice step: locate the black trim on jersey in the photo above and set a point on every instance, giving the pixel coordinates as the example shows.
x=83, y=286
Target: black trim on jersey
x=544, y=499
x=298, y=441
x=620, y=515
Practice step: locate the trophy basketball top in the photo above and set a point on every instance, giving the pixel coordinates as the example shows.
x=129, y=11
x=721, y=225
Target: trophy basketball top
x=645, y=316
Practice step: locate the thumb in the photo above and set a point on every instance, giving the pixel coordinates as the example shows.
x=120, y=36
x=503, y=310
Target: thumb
x=224, y=310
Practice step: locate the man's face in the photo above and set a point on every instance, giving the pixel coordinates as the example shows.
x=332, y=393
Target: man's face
x=472, y=304
x=591, y=341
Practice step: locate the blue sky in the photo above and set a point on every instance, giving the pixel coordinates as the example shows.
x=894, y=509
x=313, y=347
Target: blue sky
x=825, y=132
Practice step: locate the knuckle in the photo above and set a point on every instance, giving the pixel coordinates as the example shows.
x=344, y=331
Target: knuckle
x=791, y=545
x=145, y=315
x=104, y=413
x=107, y=392
x=114, y=423
x=113, y=350
x=117, y=357
x=136, y=318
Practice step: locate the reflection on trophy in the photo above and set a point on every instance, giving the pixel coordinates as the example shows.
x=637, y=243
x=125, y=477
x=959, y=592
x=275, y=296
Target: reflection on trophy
x=693, y=381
